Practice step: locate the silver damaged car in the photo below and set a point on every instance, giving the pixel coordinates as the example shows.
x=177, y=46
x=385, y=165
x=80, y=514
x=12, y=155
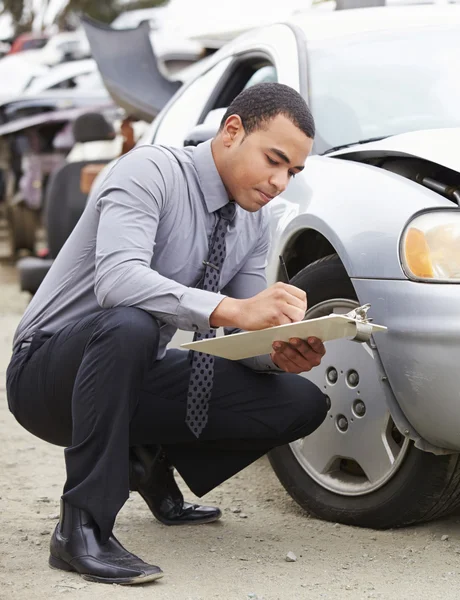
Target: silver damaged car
x=374, y=218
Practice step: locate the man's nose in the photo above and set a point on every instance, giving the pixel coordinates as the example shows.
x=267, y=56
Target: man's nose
x=280, y=181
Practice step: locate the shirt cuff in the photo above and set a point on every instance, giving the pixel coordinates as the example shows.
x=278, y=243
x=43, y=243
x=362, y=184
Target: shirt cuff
x=195, y=309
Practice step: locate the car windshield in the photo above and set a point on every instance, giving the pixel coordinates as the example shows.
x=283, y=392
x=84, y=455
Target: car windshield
x=384, y=84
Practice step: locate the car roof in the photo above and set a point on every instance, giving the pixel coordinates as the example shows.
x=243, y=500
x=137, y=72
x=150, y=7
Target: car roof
x=68, y=69
x=318, y=25
x=59, y=73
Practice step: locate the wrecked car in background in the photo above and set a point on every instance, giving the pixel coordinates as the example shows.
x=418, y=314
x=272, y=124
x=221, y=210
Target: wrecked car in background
x=33, y=144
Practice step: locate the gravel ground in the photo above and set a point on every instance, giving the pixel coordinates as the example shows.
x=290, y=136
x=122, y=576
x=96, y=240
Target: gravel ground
x=241, y=557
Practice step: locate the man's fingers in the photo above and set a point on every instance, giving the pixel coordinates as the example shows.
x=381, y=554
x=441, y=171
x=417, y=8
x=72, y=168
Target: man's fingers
x=295, y=291
x=286, y=297
x=317, y=345
x=293, y=361
x=294, y=301
x=298, y=356
x=282, y=319
x=311, y=356
x=290, y=355
x=294, y=313
x=313, y=347
x=292, y=290
x=287, y=365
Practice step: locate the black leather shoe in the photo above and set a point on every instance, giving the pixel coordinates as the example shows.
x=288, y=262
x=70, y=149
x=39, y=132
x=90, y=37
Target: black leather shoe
x=152, y=476
x=75, y=546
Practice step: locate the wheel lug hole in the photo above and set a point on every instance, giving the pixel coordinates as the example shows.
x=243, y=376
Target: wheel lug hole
x=332, y=375
x=353, y=378
x=342, y=423
x=359, y=408
x=328, y=402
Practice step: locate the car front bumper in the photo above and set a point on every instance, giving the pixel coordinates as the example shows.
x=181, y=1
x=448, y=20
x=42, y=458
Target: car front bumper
x=420, y=352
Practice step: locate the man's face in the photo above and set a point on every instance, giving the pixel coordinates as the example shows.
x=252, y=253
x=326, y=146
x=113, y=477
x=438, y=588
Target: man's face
x=259, y=166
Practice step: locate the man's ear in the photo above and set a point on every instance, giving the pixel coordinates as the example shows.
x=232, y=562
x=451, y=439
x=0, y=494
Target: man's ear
x=232, y=130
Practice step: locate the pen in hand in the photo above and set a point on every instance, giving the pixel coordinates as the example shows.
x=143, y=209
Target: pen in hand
x=284, y=271
x=285, y=274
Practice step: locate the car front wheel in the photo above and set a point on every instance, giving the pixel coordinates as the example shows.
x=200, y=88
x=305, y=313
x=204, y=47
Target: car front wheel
x=357, y=468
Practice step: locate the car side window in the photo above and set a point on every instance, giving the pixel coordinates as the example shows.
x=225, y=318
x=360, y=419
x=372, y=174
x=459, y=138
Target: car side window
x=183, y=114
x=245, y=74
x=265, y=74
x=66, y=84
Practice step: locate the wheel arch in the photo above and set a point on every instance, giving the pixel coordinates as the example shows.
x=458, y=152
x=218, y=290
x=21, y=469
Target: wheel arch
x=304, y=247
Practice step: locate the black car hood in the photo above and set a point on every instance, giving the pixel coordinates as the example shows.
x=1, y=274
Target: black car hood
x=129, y=68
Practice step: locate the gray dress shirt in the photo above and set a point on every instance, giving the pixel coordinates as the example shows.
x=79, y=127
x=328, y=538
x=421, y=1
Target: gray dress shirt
x=141, y=242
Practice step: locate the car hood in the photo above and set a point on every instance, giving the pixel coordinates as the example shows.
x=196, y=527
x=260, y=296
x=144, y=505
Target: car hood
x=440, y=146
x=129, y=68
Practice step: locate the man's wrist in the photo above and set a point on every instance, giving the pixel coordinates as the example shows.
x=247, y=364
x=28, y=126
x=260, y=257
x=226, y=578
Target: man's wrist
x=226, y=313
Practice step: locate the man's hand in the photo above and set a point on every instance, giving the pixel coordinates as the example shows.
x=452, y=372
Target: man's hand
x=298, y=356
x=279, y=304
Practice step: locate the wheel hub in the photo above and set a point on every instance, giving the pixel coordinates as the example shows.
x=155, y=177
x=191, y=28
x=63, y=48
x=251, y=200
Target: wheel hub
x=357, y=449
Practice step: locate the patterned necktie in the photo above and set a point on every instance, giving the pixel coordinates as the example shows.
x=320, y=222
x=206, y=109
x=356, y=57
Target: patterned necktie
x=201, y=376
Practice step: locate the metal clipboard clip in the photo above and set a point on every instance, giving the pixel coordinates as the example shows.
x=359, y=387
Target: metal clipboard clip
x=363, y=323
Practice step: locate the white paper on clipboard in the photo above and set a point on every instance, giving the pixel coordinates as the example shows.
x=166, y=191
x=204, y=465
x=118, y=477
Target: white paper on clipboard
x=255, y=343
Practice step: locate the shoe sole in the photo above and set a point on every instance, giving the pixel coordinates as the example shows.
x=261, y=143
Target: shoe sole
x=59, y=564
x=202, y=521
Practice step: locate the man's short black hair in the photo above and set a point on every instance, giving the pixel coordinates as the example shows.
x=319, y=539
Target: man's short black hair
x=260, y=103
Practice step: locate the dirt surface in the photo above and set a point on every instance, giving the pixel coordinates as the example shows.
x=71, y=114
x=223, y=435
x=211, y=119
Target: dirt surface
x=241, y=557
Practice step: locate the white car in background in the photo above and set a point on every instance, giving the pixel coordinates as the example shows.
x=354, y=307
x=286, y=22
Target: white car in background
x=17, y=72
x=78, y=74
x=21, y=70
x=63, y=46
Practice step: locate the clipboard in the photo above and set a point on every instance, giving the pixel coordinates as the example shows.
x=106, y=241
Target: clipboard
x=354, y=325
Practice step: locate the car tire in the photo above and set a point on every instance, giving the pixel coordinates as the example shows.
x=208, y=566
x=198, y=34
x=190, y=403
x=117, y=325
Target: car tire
x=424, y=487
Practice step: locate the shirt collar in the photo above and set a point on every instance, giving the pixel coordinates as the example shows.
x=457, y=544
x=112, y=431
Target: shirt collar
x=214, y=192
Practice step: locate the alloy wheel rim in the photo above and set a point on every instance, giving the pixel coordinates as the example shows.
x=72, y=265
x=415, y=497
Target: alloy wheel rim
x=357, y=449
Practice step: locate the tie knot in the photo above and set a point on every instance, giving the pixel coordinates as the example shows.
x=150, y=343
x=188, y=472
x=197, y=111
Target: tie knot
x=227, y=212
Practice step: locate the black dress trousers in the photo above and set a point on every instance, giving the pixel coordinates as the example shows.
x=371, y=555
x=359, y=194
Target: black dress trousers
x=95, y=387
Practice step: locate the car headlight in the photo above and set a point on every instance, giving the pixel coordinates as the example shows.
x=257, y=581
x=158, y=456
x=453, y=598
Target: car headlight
x=430, y=247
